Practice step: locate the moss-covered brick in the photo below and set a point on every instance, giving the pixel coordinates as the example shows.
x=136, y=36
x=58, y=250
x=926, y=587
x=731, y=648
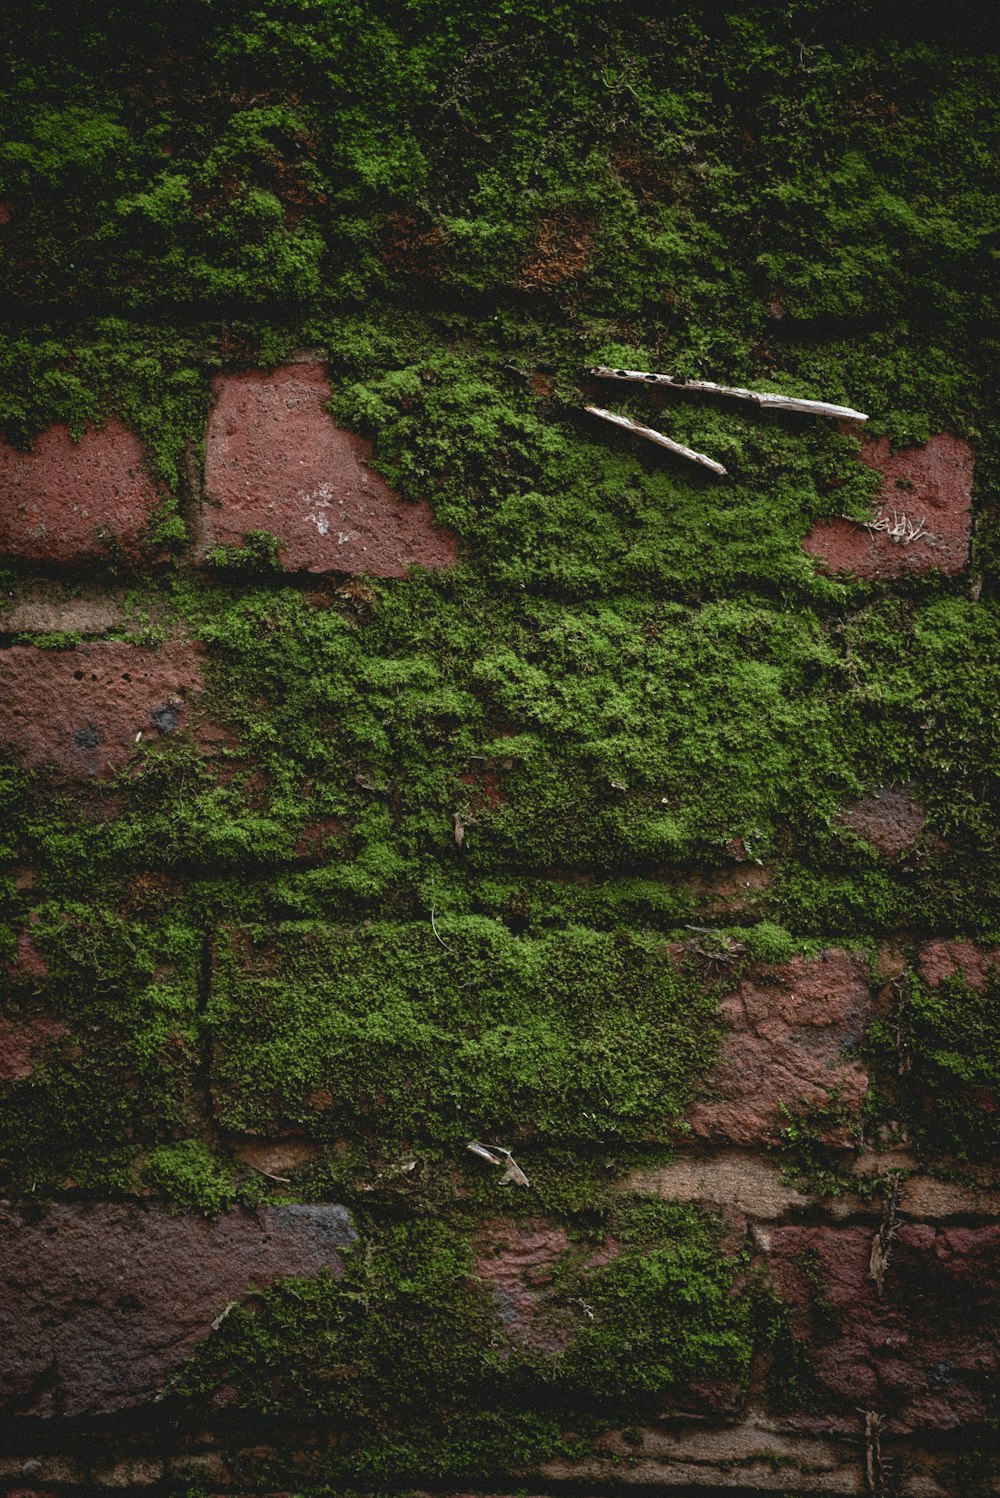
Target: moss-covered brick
x=119, y=1067
x=404, y=1358
x=403, y=1032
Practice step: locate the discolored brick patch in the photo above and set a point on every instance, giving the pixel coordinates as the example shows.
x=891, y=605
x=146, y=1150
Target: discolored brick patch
x=923, y=518
x=78, y=502
x=99, y=1304
x=926, y=1352
x=22, y=1046
x=791, y=1033
x=276, y=462
x=82, y=712
x=890, y=819
x=949, y=958
x=517, y=1261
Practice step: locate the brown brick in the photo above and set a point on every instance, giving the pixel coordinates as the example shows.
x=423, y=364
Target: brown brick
x=22, y=1046
x=79, y=711
x=98, y=1304
x=926, y=1352
x=790, y=1034
x=947, y=958
x=276, y=462
x=890, y=819
x=929, y=487
x=78, y=502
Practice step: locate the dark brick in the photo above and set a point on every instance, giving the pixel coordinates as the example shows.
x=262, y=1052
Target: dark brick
x=77, y=502
x=276, y=462
x=99, y=1304
x=927, y=1352
x=79, y=711
x=890, y=819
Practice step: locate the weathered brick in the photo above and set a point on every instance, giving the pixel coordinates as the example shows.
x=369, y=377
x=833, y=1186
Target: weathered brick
x=949, y=958
x=276, y=462
x=926, y=489
x=890, y=819
x=22, y=1046
x=80, y=711
x=77, y=502
x=926, y=1352
x=790, y=1037
x=100, y=1303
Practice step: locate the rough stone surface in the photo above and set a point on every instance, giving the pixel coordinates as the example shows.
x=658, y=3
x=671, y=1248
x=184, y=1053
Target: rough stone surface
x=790, y=1037
x=729, y=1179
x=91, y=614
x=926, y=1353
x=891, y=820
x=276, y=462
x=927, y=487
x=944, y=959
x=79, y=711
x=98, y=1304
x=75, y=502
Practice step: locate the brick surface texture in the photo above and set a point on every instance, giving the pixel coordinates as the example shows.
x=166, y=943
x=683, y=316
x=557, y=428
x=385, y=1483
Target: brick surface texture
x=276, y=462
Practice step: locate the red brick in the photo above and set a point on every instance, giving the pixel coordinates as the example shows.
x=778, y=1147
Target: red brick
x=790, y=1034
x=944, y=959
x=79, y=711
x=99, y=1304
x=930, y=486
x=76, y=502
x=276, y=462
x=926, y=1352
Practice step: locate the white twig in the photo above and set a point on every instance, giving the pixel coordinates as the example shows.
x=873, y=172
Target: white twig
x=760, y=397
x=436, y=932
x=658, y=438
x=898, y=527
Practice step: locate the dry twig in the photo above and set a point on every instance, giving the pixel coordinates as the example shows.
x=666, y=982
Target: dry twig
x=766, y=398
x=658, y=438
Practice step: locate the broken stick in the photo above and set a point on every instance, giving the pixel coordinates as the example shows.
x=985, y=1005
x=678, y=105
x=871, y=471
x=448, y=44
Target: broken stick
x=760, y=397
x=658, y=437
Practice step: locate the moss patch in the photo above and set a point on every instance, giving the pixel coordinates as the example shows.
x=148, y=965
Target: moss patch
x=390, y=1030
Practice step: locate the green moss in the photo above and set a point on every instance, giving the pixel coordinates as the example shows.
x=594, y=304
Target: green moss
x=942, y=1042
x=577, y=1034
x=118, y=1050
x=192, y=1176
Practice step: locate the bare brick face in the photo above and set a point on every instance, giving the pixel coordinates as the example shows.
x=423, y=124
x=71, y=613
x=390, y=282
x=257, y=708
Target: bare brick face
x=923, y=519
x=276, y=462
x=101, y=1302
x=790, y=1036
x=81, y=712
x=78, y=502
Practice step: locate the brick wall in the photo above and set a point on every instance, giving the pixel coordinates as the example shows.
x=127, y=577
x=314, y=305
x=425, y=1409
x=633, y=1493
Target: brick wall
x=393, y=763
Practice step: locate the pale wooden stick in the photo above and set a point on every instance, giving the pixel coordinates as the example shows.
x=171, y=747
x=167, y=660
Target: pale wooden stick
x=761, y=397
x=658, y=437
